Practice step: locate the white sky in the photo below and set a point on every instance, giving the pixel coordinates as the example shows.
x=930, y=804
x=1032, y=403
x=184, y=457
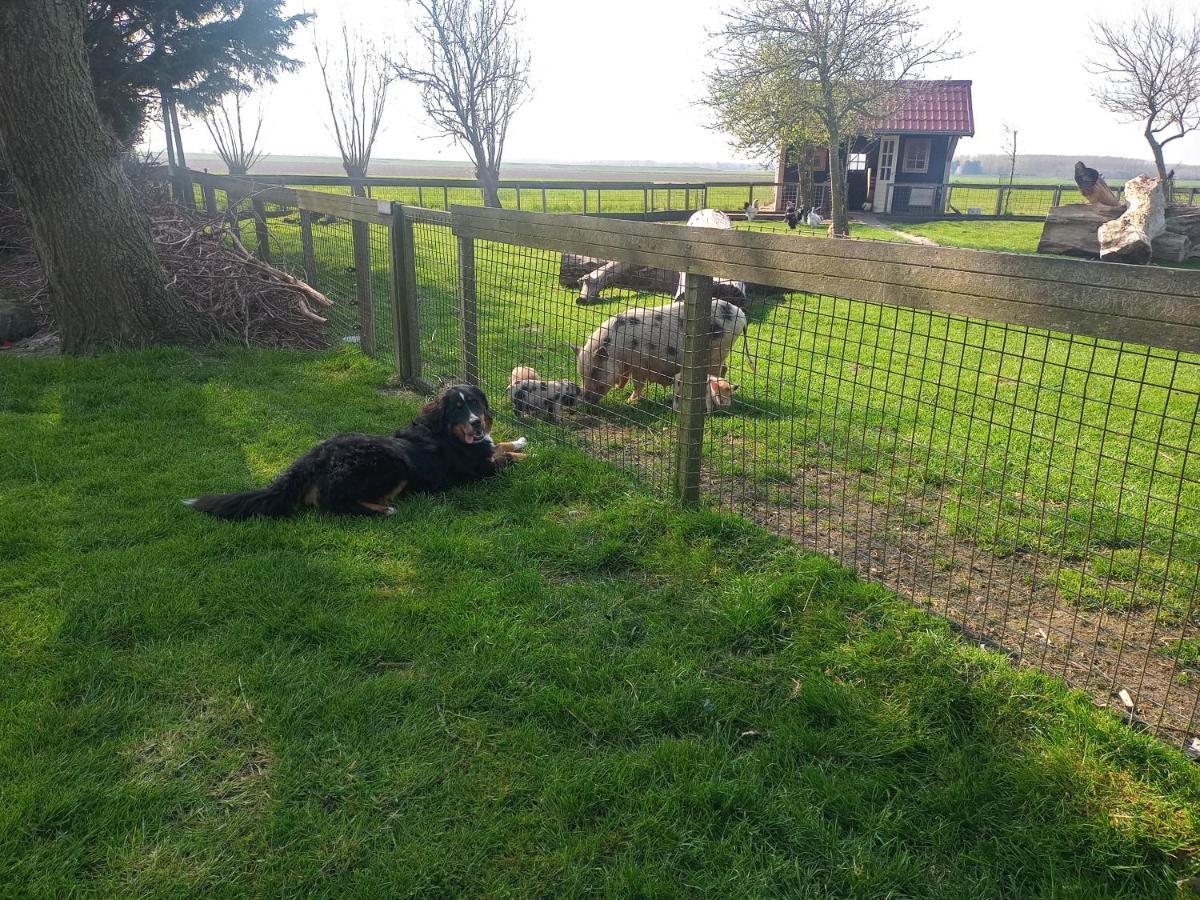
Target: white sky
x=619, y=79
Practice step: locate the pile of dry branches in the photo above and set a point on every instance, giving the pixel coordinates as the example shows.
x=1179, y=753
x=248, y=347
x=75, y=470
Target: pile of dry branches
x=233, y=294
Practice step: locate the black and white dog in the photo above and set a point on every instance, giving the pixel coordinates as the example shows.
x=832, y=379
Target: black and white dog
x=449, y=443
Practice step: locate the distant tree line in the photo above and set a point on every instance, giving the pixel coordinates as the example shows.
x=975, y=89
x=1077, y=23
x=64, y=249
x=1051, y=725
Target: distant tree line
x=1115, y=168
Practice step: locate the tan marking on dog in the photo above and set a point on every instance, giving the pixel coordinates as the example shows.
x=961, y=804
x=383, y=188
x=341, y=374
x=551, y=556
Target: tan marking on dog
x=311, y=497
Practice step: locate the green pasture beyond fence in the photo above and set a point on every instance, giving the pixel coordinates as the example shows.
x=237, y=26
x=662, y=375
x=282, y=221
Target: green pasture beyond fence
x=1008, y=440
x=960, y=200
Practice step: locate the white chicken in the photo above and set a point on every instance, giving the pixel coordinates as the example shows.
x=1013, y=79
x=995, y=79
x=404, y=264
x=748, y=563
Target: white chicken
x=814, y=218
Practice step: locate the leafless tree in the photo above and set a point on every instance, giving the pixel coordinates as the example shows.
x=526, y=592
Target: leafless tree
x=473, y=76
x=844, y=63
x=1151, y=72
x=1010, y=150
x=357, y=76
x=236, y=129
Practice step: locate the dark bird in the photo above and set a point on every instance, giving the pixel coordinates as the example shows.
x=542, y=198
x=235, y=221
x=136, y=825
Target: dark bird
x=1086, y=177
x=792, y=215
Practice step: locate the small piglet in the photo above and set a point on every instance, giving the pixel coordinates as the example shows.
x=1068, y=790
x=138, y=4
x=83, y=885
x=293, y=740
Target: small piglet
x=719, y=393
x=540, y=399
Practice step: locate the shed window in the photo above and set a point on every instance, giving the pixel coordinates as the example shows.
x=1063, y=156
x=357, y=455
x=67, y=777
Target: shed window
x=858, y=162
x=916, y=156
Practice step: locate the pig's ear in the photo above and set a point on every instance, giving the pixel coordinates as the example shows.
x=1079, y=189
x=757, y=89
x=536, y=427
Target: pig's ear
x=734, y=387
x=577, y=349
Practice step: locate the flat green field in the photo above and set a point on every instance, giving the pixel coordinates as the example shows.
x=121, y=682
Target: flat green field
x=548, y=685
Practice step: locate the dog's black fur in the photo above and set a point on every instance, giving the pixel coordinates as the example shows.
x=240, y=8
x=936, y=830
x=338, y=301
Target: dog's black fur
x=448, y=444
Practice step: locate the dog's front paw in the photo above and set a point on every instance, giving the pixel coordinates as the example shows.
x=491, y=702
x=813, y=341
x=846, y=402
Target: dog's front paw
x=520, y=444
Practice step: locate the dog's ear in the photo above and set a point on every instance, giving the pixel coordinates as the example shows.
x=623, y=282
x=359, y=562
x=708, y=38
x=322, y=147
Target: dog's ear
x=577, y=349
x=433, y=412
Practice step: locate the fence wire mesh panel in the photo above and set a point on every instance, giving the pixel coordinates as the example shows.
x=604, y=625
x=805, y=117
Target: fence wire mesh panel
x=527, y=319
x=436, y=256
x=1040, y=489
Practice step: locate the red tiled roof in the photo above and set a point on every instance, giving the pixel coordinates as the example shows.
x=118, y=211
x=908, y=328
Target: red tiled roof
x=937, y=107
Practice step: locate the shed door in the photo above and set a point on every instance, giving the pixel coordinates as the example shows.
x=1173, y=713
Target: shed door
x=888, y=146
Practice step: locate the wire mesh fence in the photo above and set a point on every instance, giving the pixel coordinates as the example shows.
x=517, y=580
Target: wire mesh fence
x=1036, y=484
x=1037, y=487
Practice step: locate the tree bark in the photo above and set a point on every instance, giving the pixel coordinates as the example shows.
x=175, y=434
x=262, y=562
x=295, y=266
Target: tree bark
x=106, y=286
x=184, y=190
x=1130, y=238
x=837, y=191
x=489, y=181
x=1160, y=161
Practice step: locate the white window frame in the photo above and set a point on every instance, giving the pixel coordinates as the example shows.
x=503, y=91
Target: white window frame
x=887, y=158
x=856, y=162
x=906, y=166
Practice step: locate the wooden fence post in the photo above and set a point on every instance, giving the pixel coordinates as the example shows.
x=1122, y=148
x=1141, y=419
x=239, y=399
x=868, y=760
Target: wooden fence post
x=999, y=201
x=645, y=203
x=210, y=199
x=697, y=310
x=446, y=197
x=470, y=311
x=1056, y=201
x=306, y=247
x=260, y=229
x=405, y=311
x=585, y=201
x=543, y=199
x=363, y=289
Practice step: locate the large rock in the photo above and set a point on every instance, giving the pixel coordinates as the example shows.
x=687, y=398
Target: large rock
x=17, y=321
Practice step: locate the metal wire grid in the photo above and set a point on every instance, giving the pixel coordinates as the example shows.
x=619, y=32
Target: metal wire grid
x=1040, y=490
x=526, y=318
x=436, y=254
x=334, y=269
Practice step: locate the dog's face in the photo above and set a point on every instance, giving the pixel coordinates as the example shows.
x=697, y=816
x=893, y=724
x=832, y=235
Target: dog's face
x=463, y=411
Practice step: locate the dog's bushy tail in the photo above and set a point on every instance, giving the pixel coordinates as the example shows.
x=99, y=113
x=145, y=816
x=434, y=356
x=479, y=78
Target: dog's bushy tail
x=277, y=501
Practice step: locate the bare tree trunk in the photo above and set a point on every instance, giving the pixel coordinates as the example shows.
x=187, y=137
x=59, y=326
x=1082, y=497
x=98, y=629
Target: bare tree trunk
x=489, y=181
x=804, y=172
x=837, y=189
x=184, y=191
x=106, y=286
x=1159, y=161
x=167, y=133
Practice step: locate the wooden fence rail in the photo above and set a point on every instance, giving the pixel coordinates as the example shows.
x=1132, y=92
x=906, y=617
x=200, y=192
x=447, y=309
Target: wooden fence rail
x=655, y=198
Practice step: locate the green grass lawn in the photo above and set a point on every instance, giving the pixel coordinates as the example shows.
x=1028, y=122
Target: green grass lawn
x=1010, y=237
x=545, y=685
x=1079, y=450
